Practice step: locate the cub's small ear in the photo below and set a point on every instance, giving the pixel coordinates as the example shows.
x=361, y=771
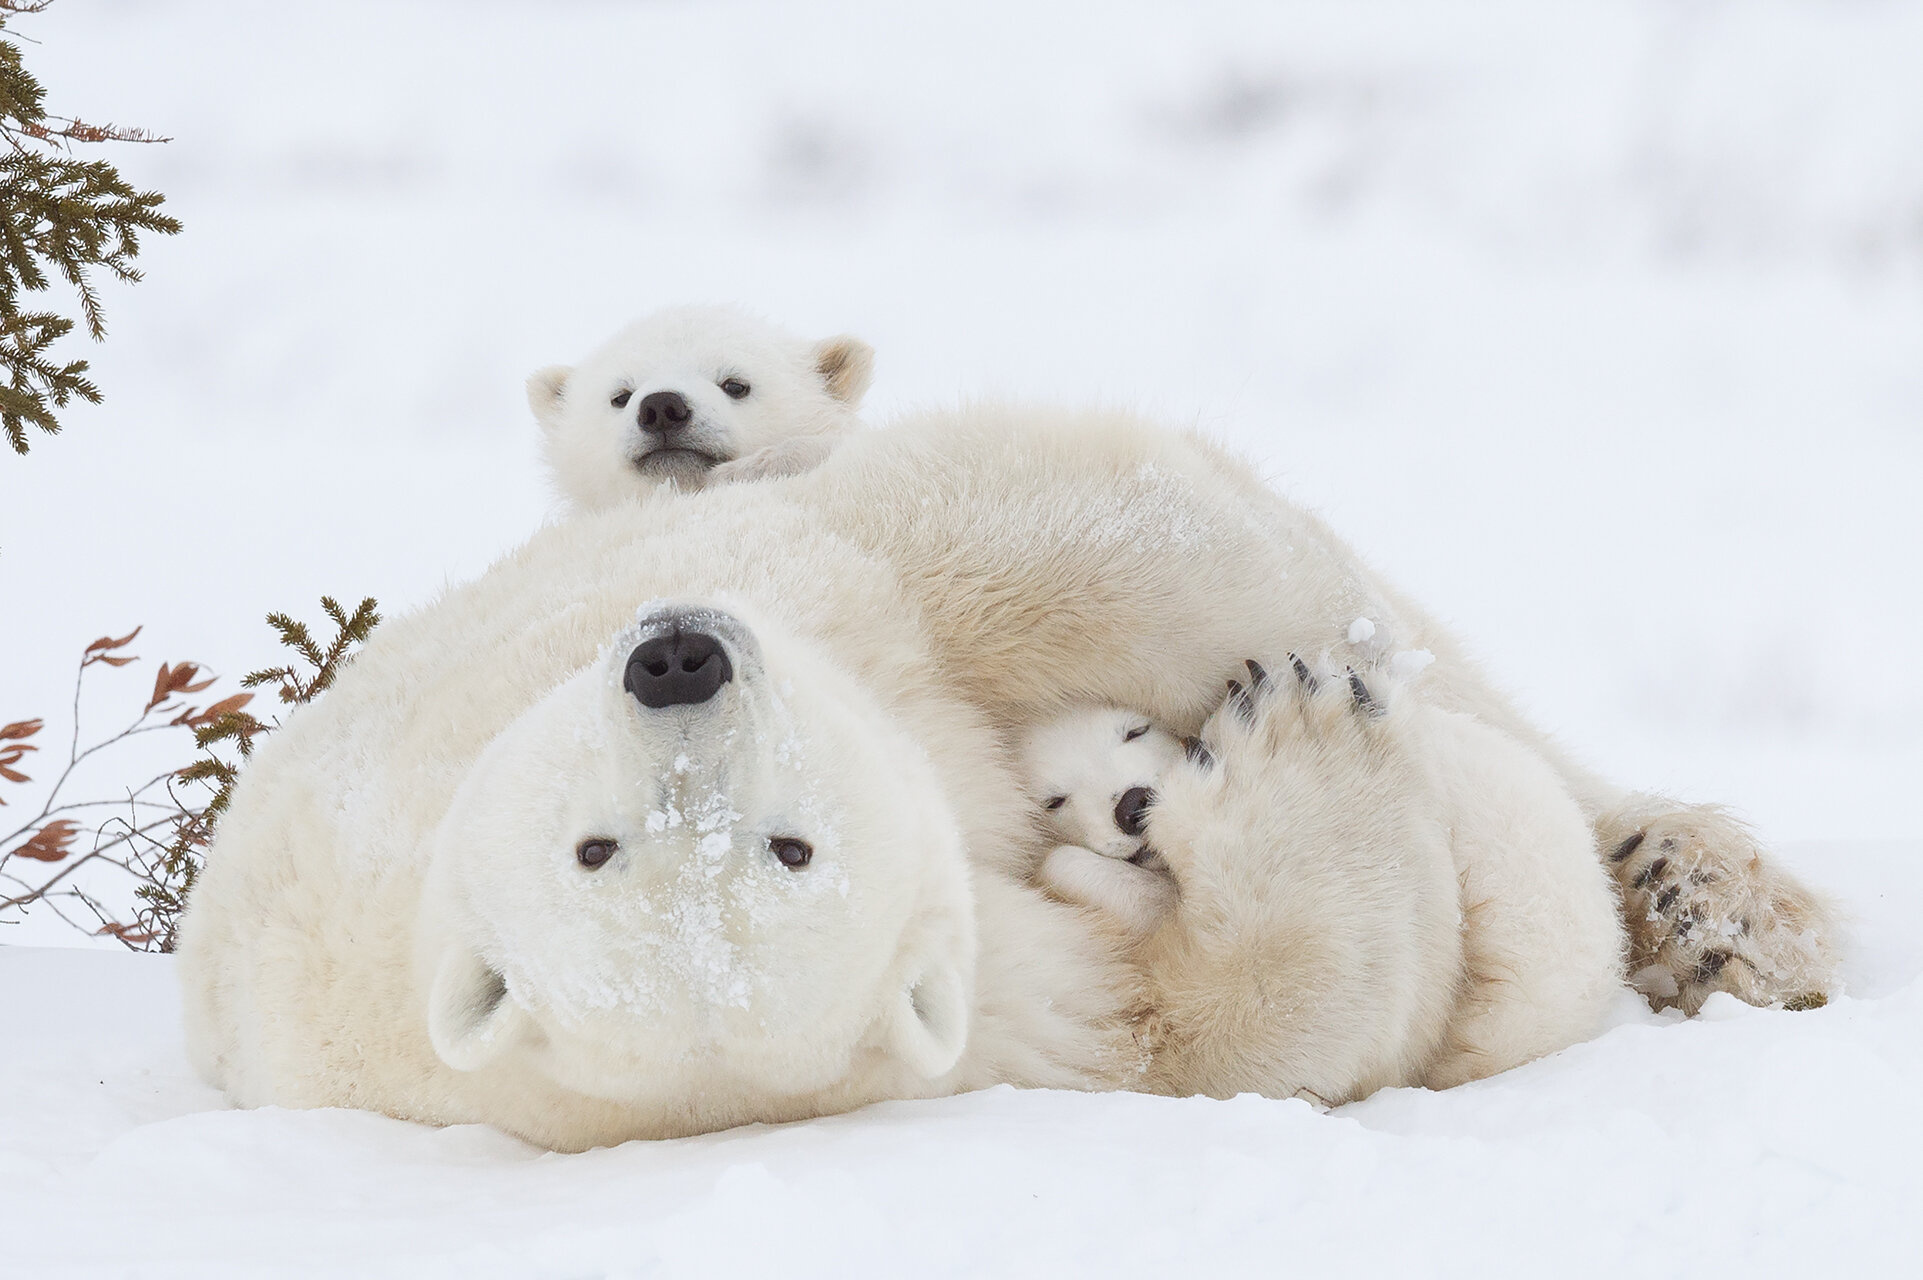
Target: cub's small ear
x=847, y=365
x=546, y=388
x=930, y=1018
x=471, y=1019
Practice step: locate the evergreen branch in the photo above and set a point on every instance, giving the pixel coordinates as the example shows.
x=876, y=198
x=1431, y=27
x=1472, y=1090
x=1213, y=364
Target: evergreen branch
x=58, y=217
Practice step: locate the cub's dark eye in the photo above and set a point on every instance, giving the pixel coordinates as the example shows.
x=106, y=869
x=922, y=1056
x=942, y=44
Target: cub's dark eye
x=1133, y=734
x=620, y=400
x=1054, y=802
x=592, y=853
x=793, y=854
x=735, y=388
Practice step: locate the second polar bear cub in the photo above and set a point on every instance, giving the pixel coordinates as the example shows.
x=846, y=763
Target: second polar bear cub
x=1093, y=772
x=1540, y=949
x=694, y=396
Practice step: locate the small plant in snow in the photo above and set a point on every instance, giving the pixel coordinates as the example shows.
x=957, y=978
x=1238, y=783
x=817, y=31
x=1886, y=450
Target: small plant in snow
x=156, y=835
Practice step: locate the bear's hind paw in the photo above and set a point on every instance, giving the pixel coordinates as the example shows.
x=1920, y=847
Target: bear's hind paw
x=1706, y=911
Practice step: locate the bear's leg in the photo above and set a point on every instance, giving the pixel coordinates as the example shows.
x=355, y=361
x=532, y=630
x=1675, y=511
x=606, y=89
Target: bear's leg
x=1315, y=943
x=1542, y=938
x=1707, y=911
x=1137, y=898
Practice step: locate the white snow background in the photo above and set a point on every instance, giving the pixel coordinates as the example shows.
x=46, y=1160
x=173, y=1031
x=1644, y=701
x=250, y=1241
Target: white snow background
x=1598, y=326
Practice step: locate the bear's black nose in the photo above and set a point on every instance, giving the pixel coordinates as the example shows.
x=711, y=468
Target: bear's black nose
x=663, y=411
x=1131, y=808
x=681, y=668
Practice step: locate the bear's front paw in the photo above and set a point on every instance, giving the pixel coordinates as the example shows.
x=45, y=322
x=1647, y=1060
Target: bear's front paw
x=789, y=458
x=1291, y=744
x=1706, y=911
x=1138, y=898
x=1300, y=707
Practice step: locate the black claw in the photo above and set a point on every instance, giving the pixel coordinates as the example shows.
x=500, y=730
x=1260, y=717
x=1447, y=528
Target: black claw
x=1302, y=674
x=1669, y=844
x=1198, y=752
x=1650, y=872
x=1240, y=700
x=1364, y=700
x=1667, y=896
x=1627, y=847
x=1710, y=965
x=1258, y=678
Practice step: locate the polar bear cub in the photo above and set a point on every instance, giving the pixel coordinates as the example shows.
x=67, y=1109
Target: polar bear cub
x=694, y=396
x=1093, y=772
x=1539, y=948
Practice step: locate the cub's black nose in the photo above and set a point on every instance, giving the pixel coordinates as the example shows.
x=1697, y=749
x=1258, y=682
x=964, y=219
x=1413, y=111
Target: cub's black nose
x=681, y=668
x=663, y=411
x=1131, y=808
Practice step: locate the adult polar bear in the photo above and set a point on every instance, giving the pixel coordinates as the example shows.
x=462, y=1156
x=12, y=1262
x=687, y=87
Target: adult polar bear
x=488, y=879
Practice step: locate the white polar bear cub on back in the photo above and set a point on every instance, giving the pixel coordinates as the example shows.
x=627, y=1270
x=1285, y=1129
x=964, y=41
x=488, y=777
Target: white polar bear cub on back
x=694, y=396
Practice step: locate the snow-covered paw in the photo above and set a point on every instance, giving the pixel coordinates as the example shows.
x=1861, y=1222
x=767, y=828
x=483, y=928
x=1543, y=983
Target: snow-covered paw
x=1706, y=911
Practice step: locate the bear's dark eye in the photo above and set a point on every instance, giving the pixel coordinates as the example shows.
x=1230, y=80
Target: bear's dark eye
x=620, y=400
x=1133, y=734
x=1054, y=802
x=735, y=388
x=793, y=854
x=593, y=852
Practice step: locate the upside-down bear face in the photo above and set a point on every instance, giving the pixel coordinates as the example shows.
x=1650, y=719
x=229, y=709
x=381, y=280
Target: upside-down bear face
x=705, y=870
x=674, y=395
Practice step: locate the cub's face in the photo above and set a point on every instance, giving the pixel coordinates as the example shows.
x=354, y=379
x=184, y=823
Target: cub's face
x=1092, y=773
x=704, y=874
x=683, y=391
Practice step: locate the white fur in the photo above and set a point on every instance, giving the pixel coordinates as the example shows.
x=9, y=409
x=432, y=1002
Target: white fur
x=924, y=591
x=802, y=397
x=1540, y=940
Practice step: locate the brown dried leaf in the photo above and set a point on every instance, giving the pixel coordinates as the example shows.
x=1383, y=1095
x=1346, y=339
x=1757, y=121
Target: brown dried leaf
x=113, y=662
x=219, y=709
x=170, y=680
x=49, y=844
x=20, y=729
x=161, y=687
x=126, y=933
x=107, y=643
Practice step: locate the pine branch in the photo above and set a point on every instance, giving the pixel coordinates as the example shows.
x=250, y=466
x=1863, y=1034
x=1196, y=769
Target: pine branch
x=58, y=217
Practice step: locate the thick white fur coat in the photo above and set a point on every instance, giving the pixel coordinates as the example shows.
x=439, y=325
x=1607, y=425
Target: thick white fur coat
x=945, y=583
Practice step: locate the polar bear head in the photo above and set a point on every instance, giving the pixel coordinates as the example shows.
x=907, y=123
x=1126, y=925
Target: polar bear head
x=1092, y=771
x=684, y=391
x=706, y=877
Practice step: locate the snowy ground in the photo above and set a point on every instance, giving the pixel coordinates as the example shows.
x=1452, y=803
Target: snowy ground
x=1744, y=1142
x=1598, y=326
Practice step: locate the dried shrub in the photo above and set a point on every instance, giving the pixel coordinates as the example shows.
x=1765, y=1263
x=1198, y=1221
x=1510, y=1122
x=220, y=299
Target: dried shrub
x=156, y=835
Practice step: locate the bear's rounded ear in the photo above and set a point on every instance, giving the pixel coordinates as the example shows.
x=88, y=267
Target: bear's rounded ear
x=847, y=365
x=470, y=1018
x=930, y=1018
x=546, y=388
